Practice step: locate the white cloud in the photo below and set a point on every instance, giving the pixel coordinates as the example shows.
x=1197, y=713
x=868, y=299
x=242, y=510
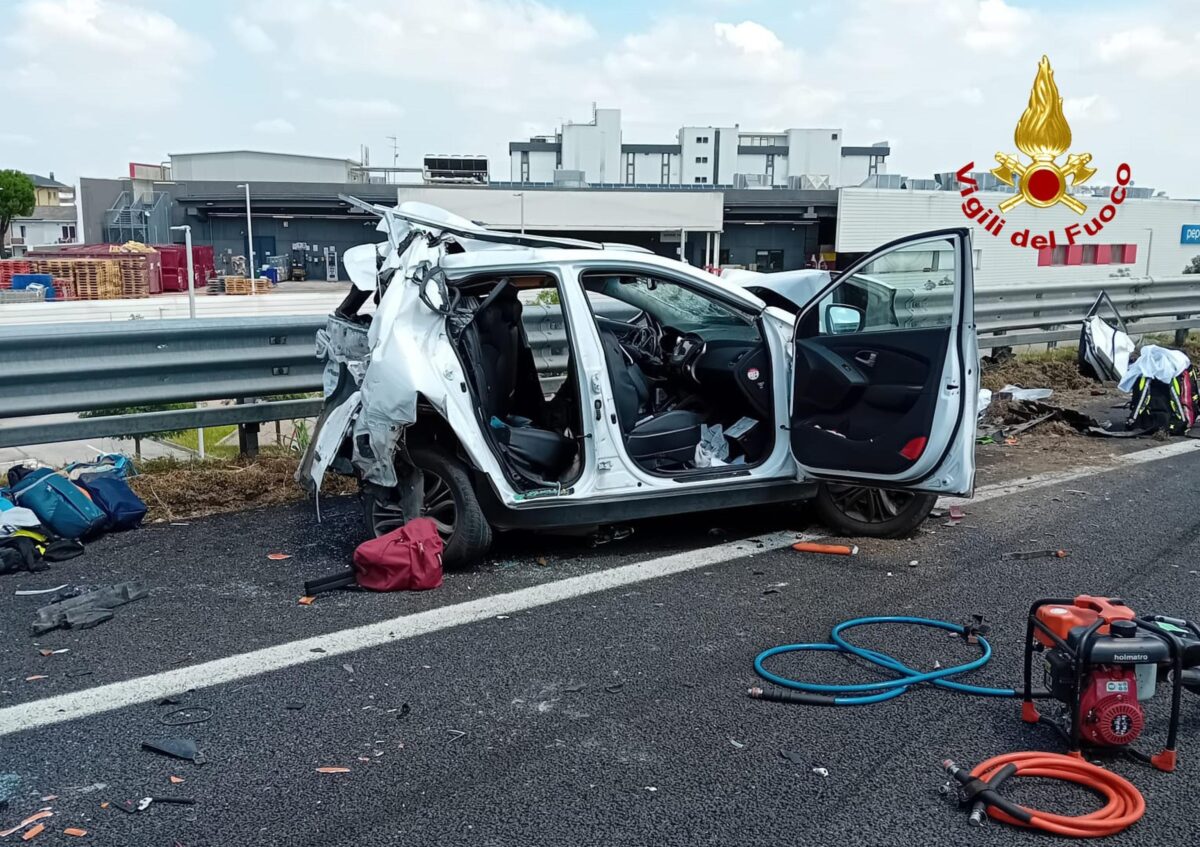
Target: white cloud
x=274, y=126
x=370, y=108
x=998, y=27
x=1151, y=52
x=95, y=56
x=749, y=37
x=1093, y=108
x=252, y=36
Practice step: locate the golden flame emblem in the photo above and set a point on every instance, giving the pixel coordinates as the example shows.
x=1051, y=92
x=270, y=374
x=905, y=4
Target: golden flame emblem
x=1043, y=135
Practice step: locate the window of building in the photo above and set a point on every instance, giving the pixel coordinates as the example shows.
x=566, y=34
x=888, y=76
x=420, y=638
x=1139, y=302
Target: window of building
x=770, y=169
x=701, y=139
x=872, y=165
x=701, y=179
x=524, y=166
x=1087, y=254
x=723, y=256
x=666, y=169
x=68, y=232
x=834, y=136
x=22, y=230
x=629, y=169
x=701, y=160
x=768, y=260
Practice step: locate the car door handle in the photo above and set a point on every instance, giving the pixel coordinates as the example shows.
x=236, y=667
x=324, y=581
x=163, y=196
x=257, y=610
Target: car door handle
x=866, y=357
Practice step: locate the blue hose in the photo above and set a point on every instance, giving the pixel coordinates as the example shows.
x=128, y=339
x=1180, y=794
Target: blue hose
x=877, y=692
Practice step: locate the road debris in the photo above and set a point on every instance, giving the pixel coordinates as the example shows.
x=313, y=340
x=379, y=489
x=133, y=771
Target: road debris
x=75, y=832
x=829, y=549
x=293, y=705
x=737, y=744
x=912, y=563
x=176, y=748
x=793, y=756
x=1037, y=554
x=614, y=688
x=34, y=818
x=36, y=677
x=333, y=770
x=278, y=557
x=575, y=687
x=175, y=780
x=306, y=600
x=59, y=652
x=186, y=716
x=89, y=609
x=348, y=668
x=457, y=733
x=541, y=560
x=33, y=832
x=33, y=592
x=821, y=771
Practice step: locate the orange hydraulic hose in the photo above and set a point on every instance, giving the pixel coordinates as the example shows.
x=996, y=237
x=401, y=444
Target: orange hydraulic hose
x=1125, y=804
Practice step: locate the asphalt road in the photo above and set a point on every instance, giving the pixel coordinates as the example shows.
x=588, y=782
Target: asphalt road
x=615, y=717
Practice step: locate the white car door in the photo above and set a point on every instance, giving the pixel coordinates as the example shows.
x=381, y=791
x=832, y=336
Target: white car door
x=883, y=396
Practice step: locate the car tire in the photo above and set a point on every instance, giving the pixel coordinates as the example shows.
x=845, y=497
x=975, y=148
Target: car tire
x=449, y=499
x=860, y=511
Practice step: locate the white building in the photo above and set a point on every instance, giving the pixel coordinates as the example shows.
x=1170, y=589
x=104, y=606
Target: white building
x=254, y=165
x=595, y=153
x=1154, y=237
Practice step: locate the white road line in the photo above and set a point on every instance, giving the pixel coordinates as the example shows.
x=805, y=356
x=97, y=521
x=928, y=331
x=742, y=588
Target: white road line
x=117, y=695
x=1003, y=489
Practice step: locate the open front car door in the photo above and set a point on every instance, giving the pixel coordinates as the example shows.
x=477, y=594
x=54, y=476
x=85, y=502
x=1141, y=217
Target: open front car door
x=885, y=380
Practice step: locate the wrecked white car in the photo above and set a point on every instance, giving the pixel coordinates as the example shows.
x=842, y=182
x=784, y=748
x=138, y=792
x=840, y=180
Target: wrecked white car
x=508, y=381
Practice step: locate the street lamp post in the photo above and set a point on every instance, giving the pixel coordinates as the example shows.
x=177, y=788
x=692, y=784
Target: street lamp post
x=253, y=269
x=521, y=194
x=191, y=269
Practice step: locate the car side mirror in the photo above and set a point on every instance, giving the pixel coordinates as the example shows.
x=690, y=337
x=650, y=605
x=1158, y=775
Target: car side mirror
x=841, y=319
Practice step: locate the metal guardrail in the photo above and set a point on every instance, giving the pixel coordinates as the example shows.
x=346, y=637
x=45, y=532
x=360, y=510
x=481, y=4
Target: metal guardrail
x=45, y=370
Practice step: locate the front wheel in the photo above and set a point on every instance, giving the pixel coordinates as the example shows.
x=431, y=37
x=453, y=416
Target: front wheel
x=856, y=510
x=449, y=499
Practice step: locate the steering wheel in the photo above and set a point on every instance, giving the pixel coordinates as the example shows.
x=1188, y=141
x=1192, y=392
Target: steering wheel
x=688, y=348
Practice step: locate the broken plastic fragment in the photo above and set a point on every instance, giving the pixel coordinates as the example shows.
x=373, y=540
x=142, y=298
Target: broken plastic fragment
x=176, y=748
x=306, y=601
x=37, y=816
x=333, y=770
x=75, y=831
x=278, y=557
x=33, y=832
x=35, y=677
x=175, y=780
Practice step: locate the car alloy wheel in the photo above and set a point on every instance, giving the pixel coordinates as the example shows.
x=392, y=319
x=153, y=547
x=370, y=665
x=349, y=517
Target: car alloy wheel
x=869, y=505
x=438, y=504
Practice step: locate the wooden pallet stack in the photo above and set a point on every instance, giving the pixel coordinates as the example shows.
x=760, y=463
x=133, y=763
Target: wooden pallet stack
x=135, y=277
x=241, y=285
x=91, y=279
x=64, y=289
x=9, y=267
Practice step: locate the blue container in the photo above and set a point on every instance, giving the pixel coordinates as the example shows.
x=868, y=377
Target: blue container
x=22, y=281
x=272, y=274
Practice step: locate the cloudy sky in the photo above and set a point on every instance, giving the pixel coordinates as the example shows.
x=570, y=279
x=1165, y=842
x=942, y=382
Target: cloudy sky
x=91, y=85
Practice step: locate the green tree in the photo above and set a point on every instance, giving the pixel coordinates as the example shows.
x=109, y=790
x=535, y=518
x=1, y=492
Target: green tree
x=17, y=198
x=1194, y=267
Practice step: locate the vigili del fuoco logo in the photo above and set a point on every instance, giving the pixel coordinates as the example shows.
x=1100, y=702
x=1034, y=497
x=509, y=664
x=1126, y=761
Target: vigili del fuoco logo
x=1043, y=135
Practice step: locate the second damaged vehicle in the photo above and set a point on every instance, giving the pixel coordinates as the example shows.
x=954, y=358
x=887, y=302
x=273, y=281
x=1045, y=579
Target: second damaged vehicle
x=508, y=381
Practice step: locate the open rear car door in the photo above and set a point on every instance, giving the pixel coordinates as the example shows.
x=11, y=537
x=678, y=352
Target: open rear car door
x=885, y=378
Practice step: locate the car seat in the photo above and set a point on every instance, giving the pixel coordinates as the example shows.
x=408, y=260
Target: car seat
x=654, y=440
x=506, y=379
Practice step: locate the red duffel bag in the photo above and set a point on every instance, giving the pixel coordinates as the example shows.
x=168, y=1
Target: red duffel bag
x=405, y=559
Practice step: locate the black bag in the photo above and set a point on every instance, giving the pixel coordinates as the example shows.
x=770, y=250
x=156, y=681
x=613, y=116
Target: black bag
x=1172, y=406
x=20, y=553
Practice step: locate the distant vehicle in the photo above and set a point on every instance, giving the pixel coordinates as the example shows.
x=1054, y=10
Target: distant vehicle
x=454, y=400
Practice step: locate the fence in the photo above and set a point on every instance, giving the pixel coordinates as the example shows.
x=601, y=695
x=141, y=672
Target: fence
x=84, y=367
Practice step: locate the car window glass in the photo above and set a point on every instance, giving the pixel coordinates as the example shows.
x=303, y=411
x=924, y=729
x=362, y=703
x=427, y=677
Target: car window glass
x=668, y=302
x=911, y=287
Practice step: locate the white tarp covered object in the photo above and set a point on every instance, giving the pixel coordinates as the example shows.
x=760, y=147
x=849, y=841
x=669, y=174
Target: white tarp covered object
x=1104, y=346
x=1161, y=363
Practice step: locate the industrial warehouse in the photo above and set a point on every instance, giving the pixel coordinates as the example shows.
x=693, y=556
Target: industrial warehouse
x=543, y=422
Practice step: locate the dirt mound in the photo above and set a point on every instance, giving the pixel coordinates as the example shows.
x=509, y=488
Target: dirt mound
x=176, y=490
x=1057, y=369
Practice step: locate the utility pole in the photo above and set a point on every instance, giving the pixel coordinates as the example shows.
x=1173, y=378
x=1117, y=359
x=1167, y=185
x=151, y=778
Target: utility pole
x=252, y=270
x=395, y=156
x=191, y=268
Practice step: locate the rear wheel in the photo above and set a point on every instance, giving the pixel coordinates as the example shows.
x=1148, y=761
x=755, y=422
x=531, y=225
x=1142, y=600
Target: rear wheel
x=449, y=500
x=872, y=512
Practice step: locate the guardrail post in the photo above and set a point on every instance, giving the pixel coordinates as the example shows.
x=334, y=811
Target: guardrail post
x=247, y=436
x=1181, y=335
